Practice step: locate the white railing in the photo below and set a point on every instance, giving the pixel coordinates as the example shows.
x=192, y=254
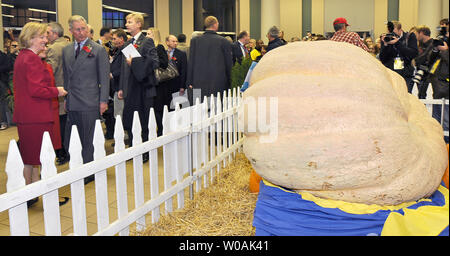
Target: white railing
x=188, y=157
x=429, y=102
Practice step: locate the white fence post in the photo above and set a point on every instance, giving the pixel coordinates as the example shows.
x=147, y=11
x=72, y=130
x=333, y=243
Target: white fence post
x=121, y=175
x=138, y=170
x=101, y=185
x=212, y=136
x=167, y=152
x=50, y=202
x=225, y=126
x=175, y=156
x=18, y=215
x=204, y=138
x=230, y=125
x=77, y=188
x=219, y=129
x=196, y=151
x=153, y=165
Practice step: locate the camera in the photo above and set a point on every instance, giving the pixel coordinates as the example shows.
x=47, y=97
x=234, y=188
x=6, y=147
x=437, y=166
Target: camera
x=421, y=71
x=389, y=37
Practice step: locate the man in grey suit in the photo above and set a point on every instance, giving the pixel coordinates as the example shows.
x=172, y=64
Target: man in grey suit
x=86, y=79
x=55, y=33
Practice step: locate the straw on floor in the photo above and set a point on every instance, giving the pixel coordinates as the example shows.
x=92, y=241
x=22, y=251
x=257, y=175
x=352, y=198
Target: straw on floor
x=225, y=208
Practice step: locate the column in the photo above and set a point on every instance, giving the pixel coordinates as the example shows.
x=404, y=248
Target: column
x=430, y=13
x=270, y=16
x=381, y=16
x=63, y=12
x=445, y=8
x=317, y=14
x=1, y=27
x=244, y=16
x=162, y=18
x=95, y=16
x=176, y=16
x=408, y=13
x=255, y=19
x=188, y=19
x=291, y=18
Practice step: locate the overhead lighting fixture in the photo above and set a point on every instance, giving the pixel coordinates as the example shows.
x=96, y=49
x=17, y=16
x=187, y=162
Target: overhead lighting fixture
x=8, y=5
x=41, y=20
x=120, y=9
x=39, y=10
x=9, y=16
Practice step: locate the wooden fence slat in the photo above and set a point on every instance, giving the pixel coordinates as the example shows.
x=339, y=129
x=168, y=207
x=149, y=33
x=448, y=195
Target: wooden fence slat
x=50, y=201
x=225, y=126
x=138, y=170
x=18, y=215
x=196, y=150
x=101, y=179
x=204, y=138
x=219, y=129
x=153, y=165
x=212, y=136
x=175, y=125
x=230, y=124
x=77, y=188
x=167, y=159
x=235, y=118
x=121, y=175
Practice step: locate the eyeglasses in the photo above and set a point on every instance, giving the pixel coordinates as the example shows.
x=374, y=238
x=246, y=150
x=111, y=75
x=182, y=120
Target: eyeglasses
x=14, y=45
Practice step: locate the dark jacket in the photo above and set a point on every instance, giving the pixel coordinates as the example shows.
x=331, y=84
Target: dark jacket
x=440, y=79
x=210, y=63
x=406, y=49
x=274, y=44
x=237, y=52
x=115, y=69
x=5, y=67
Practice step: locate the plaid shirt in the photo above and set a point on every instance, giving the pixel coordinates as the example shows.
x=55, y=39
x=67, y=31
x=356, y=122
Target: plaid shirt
x=349, y=37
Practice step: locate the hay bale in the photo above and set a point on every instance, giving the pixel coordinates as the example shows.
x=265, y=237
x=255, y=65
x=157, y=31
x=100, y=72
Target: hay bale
x=225, y=208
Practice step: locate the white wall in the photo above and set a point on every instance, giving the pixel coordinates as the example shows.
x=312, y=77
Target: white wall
x=359, y=14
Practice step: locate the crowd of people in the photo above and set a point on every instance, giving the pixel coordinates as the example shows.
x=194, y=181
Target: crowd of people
x=59, y=83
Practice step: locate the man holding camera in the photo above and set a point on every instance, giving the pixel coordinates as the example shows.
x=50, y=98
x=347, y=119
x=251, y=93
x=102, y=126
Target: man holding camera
x=433, y=67
x=398, y=49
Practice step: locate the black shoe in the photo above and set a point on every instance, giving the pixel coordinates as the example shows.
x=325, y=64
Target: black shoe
x=109, y=137
x=32, y=201
x=62, y=160
x=89, y=179
x=64, y=201
x=145, y=157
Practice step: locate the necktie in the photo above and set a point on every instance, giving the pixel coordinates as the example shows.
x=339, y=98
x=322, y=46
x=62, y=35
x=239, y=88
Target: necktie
x=77, y=50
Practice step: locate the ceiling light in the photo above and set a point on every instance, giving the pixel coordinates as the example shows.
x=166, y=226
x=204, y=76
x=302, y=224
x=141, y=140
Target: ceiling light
x=9, y=16
x=8, y=5
x=39, y=10
x=41, y=20
x=120, y=9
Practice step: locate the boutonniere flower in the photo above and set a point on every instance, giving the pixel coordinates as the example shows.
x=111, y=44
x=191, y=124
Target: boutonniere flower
x=88, y=49
x=174, y=59
x=135, y=46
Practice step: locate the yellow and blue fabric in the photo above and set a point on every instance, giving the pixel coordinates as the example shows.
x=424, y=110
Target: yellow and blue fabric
x=282, y=212
x=247, y=78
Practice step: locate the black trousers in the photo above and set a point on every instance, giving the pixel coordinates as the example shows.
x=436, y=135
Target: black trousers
x=85, y=123
x=143, y=108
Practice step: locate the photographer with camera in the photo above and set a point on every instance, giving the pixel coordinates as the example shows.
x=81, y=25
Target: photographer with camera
x=398, y=49
x=433, y=67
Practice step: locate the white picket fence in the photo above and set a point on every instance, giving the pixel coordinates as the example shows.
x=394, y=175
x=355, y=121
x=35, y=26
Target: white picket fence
x=429, y=102
x=189, y=156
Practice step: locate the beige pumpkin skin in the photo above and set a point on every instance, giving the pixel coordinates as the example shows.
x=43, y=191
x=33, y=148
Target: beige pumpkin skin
x=347, y=127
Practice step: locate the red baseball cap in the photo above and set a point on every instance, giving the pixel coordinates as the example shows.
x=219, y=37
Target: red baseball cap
x=340, y=21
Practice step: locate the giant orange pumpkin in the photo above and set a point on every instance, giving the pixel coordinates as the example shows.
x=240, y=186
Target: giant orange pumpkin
x=347, y=127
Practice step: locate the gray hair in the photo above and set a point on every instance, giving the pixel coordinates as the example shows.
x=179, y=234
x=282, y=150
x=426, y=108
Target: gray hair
x=56, y=28
x=274, y=32
x=76, y=18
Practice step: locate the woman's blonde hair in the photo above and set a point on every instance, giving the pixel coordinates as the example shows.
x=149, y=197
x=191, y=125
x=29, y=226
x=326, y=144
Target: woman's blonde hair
x=30, y=31
x=136, y=17
x=156, y=35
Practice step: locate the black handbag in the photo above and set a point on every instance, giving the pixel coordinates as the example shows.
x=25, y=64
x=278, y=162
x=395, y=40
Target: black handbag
x=167, y=74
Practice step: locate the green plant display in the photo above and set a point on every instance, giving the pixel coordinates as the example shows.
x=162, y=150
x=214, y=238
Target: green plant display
x=239, y=72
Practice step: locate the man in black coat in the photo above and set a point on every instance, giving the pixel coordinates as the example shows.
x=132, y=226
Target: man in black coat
x=274, y=40
x=137, y=78
x=397, y=54
x=238, y=47
x=179, y=58
x=210, y=61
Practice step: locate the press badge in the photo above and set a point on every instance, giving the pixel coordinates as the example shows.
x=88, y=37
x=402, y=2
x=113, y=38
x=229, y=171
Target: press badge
x=398, y=63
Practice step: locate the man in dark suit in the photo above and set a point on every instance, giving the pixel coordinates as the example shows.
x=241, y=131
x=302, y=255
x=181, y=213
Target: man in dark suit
x=86, y=79
x=239, y=50
x=178, y=57
x=210, y=61
x=137, y=78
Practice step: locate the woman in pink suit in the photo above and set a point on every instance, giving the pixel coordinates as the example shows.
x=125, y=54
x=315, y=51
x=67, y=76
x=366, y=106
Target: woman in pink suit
x=33, y=94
